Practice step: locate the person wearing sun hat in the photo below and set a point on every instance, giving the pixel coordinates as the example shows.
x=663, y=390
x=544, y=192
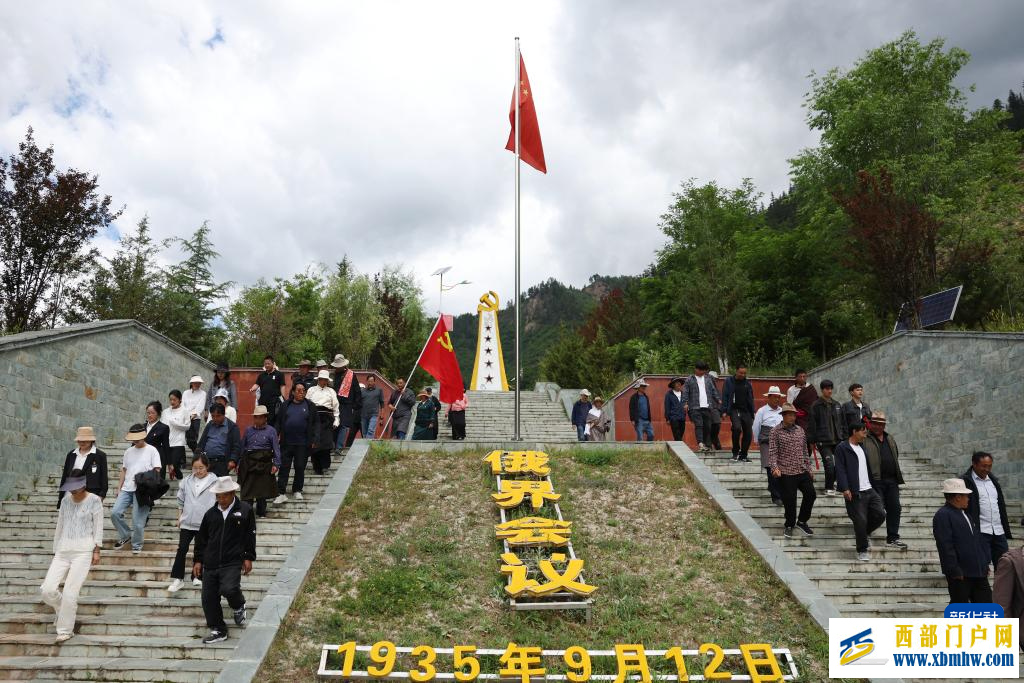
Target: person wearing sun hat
x=579, y=414
x=640, y=411
x=222, y=382
x=194, y=401
x=791, y=465
x=766, y=418
x=426, y=417
x=350, y=399
x=260, y=462
x=962, y=557
x=91, y=461
x=303, y=375
x=675, y=408
x=138, y=458
x=225, y=550
x=76, y=547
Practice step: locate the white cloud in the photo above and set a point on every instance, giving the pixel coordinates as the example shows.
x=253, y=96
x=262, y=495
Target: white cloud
x=308, y=131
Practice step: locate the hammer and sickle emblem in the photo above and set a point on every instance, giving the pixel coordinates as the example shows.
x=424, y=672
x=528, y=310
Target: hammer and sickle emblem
x=489, y=302
x=445, y=341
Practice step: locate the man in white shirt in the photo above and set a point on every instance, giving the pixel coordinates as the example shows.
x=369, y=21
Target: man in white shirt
x=853, y=478
x=767, y=417
x=194, y=400
x=139, y=458
x=987, y=507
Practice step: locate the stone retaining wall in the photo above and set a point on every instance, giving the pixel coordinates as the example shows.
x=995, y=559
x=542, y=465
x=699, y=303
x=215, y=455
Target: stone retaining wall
x=946, y=394
x=99, y=374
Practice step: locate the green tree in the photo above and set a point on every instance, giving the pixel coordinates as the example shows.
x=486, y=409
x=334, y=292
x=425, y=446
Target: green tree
x=128, y=284
x=563, y=363
x=350, y=315
x=700, y=282
x=257, y=323
x=404, y=325
x=190, y=293
x=48, y=218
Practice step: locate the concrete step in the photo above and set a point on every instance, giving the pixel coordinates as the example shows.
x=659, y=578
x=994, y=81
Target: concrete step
x=133, y=589
x=182, y=604
x=147, y=558
x=110, y=624
x=115, y=572
x=892, y=580
x=109, y=669
x=120, y=646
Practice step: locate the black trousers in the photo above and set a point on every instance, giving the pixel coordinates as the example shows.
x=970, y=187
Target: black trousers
x=678, y=428
x=321, y=460
x=260, y=505
x=297, y=455
x=790, y=484
x=890, y=495
x=742, y=431
x=867, y=513
x=218, y=465
x=994, y=546
x=828, y=461
x=969, y=589
x=271, y=409
x=701, y=419
x=185, y=537
x=221, y=582
x=715, y=429
x=458, y=422
x=774, y=485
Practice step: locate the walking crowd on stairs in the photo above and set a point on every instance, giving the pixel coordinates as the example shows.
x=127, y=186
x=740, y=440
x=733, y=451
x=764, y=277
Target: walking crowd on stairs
x=804, y=430
x=228, y=478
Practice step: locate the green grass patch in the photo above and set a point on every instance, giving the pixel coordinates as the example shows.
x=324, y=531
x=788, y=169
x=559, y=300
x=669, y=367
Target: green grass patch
x=412, y=558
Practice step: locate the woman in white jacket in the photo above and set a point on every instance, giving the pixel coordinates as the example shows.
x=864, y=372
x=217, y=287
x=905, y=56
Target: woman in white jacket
x=178, y=420
x=76, y=547
x=194, y=500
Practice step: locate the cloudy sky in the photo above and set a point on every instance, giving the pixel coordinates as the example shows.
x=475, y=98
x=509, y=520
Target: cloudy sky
x=309, y=130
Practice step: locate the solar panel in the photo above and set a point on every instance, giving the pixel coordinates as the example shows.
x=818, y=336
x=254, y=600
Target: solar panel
x=933, y=309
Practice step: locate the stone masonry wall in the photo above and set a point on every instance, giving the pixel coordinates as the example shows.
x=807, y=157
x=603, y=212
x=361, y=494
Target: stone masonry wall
x=946, y=395
x=97, y=374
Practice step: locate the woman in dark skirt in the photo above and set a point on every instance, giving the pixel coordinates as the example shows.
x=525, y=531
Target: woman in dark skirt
x=426, y=418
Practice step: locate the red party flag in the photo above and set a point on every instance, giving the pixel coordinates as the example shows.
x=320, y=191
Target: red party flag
x=530, y=148
x=439, y=360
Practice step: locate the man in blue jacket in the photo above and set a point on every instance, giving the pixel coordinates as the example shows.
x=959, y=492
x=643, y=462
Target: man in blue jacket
x=963, y=559
x=640, y=413
x=675, y=408
x=579, y=414
x=738, y=404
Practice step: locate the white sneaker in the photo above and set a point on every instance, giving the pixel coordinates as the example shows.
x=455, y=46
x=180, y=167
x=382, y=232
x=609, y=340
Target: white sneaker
x=61, y=637
x=863, y=557
x=175, y=586
x=281, y=499
x=197, y=581
x=830, y=492
x=298, y=495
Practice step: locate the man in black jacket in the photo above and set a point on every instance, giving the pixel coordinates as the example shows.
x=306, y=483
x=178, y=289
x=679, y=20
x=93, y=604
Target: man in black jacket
x=855, y=410
x=963, y=560
x=738, y=404
x=640, y=413
x=987, y=506
x=225, y=549
x=853, y=478
x=675, y=408
x=826, y=430
x=221, y=441
x=886, y=475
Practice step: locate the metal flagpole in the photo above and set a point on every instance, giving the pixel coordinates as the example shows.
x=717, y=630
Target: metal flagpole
x=519, y=375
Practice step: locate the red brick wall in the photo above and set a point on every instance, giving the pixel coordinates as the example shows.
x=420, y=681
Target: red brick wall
x=244, y=378
x=656, y=393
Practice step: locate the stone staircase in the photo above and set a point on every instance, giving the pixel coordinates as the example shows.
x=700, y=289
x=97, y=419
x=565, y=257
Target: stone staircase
x=894, y=583
x=490, y=416
x=129, y=627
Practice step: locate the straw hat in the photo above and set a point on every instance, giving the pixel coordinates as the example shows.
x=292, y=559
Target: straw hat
x=642, y=383
x=681, y=380
x=877, y=416
x=321, y=363
x=323, y=374
x=222, y=393
x=598, y=399
x=195, y=378
x=584, y=392
x=259, y=410
x=305, y=361
x=136, y=432
x=340, y=361
x=423, y=393
x=787, y=408
x=955, y=485
x=226, y=484
x=774, y=390
x=85, y=434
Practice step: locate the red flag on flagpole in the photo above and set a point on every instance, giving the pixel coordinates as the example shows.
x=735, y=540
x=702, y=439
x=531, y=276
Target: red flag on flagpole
x=530, y=148
x=438, y=358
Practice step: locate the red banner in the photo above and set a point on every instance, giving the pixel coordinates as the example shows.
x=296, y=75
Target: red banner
x=439, y=360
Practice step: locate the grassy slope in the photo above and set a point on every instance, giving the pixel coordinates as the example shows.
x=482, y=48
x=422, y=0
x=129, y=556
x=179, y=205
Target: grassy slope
x=412, y=559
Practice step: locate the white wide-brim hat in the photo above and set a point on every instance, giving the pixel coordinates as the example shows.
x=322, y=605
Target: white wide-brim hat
x=955, y=486
x=774, y=391
x=340, y=361
x=225, y=485
x=195, y=378
x=323, y=374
